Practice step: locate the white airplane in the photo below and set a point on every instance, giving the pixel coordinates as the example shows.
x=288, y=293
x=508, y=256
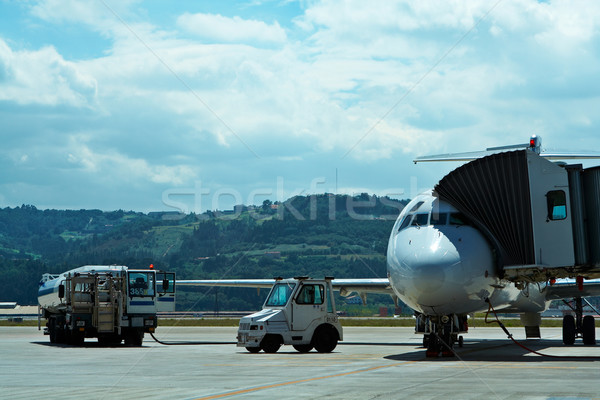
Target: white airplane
x=508, y=230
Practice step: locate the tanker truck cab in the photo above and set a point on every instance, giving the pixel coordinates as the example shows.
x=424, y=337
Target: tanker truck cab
x=140, y=305
x=299, y=311
x=148, y=292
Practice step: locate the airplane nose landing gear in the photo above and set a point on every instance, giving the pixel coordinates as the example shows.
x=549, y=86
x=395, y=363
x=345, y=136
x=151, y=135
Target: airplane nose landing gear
x=440, y=343
x=440, y=333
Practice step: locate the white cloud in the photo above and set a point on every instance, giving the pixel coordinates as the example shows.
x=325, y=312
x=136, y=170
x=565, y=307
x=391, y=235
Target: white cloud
x=111, y=165
x=104, y=16
x=43, y=77
x=231, y=29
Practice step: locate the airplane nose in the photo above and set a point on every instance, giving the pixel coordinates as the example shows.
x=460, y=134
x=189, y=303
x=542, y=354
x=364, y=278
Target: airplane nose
x=428, y=277
x=428, y=271
x=438, y=271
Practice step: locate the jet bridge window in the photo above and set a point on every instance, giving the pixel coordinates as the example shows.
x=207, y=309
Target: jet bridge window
x=310, y=294
x=557, y=205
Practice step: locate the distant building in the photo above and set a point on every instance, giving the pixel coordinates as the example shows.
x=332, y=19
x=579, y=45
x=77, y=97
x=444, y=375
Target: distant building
x=273, y=254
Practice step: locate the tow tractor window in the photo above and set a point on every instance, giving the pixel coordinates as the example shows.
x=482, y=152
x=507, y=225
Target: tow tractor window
x=557, y=204
x=310, y=294
x=141, y=284
x=280, y=294
x=329, y=301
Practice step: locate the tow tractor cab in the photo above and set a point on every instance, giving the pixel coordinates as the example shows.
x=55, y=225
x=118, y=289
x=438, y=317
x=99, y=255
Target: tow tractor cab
x=298, y=311
x=112, y=303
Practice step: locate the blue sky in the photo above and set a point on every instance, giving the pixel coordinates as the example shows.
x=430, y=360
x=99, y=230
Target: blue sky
x=195, y=105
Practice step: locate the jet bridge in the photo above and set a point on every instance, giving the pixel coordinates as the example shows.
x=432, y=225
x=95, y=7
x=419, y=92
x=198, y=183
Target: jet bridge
x=542, y=218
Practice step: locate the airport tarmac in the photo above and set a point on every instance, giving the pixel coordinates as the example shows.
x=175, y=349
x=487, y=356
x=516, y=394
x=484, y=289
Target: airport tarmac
x=382, y=363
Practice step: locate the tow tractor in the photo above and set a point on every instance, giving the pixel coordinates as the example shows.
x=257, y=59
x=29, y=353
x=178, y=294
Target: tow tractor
x=298, y=311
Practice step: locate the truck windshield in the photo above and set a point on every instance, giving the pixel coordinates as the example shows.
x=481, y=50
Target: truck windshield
x=141, y=284
x=280, y=294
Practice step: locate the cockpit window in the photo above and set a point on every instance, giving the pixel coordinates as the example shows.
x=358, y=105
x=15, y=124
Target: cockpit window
x=405, y=222
x=458, y=219
x=416, y=206
x=420, y=220
x=438, y=219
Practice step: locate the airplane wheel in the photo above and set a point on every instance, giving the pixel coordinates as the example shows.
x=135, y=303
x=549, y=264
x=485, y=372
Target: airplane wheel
x=303, y=348
x=433, y=346
x=588, y=330
x=253, y=349
x=568, y=330
x=425, y=341
x=460, y=341
x=446, y=345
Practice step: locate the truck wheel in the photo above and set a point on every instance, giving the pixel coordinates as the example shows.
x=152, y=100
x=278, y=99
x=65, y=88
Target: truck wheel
x=325, y=339
x=303, y=348
x=61, y=333
x=270, y=344
x=110, y=340
x=134, y=338
x=253, y=349
x=52, y=329
x=76, y=338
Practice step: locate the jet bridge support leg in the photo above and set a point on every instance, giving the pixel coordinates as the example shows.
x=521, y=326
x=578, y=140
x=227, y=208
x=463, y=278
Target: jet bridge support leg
x=578, y=313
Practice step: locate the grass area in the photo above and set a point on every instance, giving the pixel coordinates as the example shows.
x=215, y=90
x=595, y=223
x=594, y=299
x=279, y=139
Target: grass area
x=27, y=322
x=72, y=235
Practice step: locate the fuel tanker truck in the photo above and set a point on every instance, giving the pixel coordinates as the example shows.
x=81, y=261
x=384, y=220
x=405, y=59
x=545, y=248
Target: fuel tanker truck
x=111, y=303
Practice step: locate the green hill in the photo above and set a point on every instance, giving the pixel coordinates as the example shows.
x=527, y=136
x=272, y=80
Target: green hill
x=314, y=235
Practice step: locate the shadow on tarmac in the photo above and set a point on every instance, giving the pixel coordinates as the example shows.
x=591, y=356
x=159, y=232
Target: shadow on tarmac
x=505, y=350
